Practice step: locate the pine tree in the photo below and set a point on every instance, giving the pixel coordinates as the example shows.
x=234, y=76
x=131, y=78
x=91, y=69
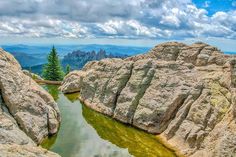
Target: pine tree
x=67, y=69
x=52, y=70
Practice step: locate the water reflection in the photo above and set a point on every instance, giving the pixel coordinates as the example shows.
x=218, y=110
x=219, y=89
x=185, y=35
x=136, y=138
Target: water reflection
x=72, y=97
x=53, y=90
x=139, y=143
x=86, y=133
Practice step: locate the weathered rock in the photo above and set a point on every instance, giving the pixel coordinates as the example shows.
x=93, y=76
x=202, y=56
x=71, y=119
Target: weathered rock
x=27, y=112
x=32, y=75
x=74, y=82
x=183, y=93
x=33, y=108
x=11, y=133
x=15, y=150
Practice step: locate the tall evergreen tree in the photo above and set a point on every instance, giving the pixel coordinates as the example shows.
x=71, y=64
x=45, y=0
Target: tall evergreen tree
x=68, y=69
x=53, y=70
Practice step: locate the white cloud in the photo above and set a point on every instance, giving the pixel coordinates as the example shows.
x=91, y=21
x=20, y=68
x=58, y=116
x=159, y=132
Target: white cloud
x=160, y=19
x=220, y=16
x=170, y=20
x=132, y=29
x=42, y=27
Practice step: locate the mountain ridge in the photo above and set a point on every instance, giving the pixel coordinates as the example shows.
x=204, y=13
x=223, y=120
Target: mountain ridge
x=77, y=59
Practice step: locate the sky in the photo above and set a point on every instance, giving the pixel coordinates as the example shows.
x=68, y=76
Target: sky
x=124, y=22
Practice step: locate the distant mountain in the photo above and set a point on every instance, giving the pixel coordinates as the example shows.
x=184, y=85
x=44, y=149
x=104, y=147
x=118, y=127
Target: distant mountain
x=230, y=53
x=27, y=60
x=77, y=59
x=65, y=49
x=26, y=49
x=37, y=69
x=35, y=56
x=115, y=49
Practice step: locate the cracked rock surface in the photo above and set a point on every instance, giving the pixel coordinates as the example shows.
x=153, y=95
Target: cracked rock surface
x=183, y=93
x=27, y=112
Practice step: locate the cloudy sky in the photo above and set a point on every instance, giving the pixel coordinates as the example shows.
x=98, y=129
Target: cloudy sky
x=134, y=22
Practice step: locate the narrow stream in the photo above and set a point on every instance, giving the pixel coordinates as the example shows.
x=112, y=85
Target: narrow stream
x=86, y=133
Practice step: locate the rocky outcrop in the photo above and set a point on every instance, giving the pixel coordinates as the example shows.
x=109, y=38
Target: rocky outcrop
x=71, y=82
x=27, y=112
x=14, y=150
x=77, y=59
x=183, y=93
x=32, y=75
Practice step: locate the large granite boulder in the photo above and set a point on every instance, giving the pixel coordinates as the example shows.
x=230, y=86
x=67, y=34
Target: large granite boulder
x=15, y=150
x=71, y=82
x=11, y=133
x=28, y=113
x=183, y=93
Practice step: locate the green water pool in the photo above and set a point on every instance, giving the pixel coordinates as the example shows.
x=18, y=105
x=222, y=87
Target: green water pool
x=86, y=133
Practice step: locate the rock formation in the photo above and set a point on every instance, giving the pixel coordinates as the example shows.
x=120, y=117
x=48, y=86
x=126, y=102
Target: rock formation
x=183, y=93
x=14, y=150
x=32, y=75
x=27, y=112
x=77, y=59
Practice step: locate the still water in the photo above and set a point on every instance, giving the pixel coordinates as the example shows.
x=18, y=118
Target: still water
x=86, y=133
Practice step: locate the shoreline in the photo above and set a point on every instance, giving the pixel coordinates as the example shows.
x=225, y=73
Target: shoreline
x=158, y=137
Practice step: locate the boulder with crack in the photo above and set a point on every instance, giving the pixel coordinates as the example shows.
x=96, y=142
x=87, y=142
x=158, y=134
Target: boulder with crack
x=183, y=93
x=28, y=113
